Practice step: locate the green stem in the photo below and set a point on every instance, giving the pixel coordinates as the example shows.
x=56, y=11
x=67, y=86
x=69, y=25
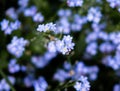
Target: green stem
x=60, y=35
x=68, y=59
x=7, y=80
x=63, y=86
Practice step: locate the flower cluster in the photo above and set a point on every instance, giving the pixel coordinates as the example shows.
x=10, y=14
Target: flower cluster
x=9, y=27
x=23, y=3
x=63, y=46
x=42, y=61
x=82, y=84
x=13, y=67
x=65, y=25
x=4, y=86
x=94, y=15
x=76, y=71
x=32, y=12
x=47, y=27
x=87, y=35
x=16, y=47
x=40, y=84
x=74, y=3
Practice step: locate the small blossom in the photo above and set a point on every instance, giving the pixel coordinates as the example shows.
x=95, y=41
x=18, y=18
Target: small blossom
x=51, y=47
x=29, y=80
x=63, y=46
x=11, y=12
x=82, y=84
x=9, y=27
x=112, y=62
x=74, y=3
x=116, y=87
x=4, y=86
x=15, y=25
x=106, y=47
x=30, y=11
x=42, y=61
x=46, y=27
x=4, y=24
x=61, y=75
x=40, y=84
x=38, y=17
x=13, y=67
x=94, y=14
x=63, y=26
x=64, y=13
x=23, y=3
x=92, y=48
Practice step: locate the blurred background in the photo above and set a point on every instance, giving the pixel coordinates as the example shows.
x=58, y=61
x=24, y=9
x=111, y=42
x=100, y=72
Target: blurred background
x=94, y=27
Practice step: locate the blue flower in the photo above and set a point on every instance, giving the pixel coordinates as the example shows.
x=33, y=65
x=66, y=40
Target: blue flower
x=94, y=14
x=47, y=27
x=15, y=25
x=92, y=48
x=42, y=61
x=38, y=17
x=23, y=3
x=13, y=67
x=106, y=47
x=8, y=28
x=4, y=86
x=74, y=3
x=29, y=80
x=116, y=87
x=16, y=47
x=30, y=11
x=61, y=75
x=4, y=24
x=40, y=84
x=11, y=12
x=63, y=46
x=82, y=84
x=64, y=13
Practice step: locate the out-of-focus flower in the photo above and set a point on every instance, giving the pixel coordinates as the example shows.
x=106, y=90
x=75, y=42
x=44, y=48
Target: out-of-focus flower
x=82, y=84
x=15, y=25
x=29, y=80
x=40, y=84
x=74, y=3
x=23, y=3
x=92, y=48
x=38, y=17
x=4, y=24
x=94, y=14
x=78, y=22
x=31, y=11
x=4, y=86
x=112, y=62
x=16, y=47
x=64, y=13
x=42, y=61
x=106, y=47
x=13, y=67
x=61, y=75
x=75, y=72
x=63, y=26
x=8, y=28
x=116, y=87
x=11, y=12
